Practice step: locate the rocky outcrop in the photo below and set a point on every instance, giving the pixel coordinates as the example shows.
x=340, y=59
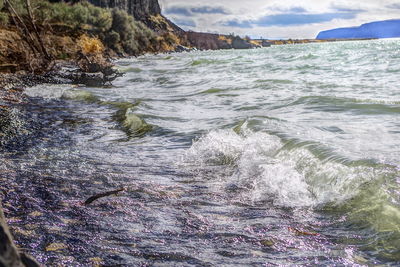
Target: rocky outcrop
x=206, y=41
x=378, y=29
x=146, y=11
x=139, y=9
x=239, y=43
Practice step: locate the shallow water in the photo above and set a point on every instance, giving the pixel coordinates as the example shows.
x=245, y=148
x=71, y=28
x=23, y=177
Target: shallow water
x=287, y=155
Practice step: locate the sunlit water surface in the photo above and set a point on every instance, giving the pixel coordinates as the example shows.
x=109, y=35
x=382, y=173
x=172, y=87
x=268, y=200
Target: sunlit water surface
x=286, y=155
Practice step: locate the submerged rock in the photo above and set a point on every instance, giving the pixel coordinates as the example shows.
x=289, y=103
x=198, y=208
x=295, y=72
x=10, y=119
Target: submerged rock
x=71, y=73
x=181, y=48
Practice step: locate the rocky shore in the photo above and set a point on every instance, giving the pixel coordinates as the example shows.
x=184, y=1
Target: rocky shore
x=12, y=94
x=9, y=253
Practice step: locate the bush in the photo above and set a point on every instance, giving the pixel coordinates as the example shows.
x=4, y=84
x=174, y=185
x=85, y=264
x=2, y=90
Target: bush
x=4, y=19
x=90, y=45
x=135, y=37
x=79, y=16
x=99, y=18
x=112, y=39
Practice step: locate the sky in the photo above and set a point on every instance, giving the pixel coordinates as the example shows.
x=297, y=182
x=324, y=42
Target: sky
x=276, y=19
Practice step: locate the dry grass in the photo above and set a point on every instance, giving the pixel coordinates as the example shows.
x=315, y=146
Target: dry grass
x=168, y=41
x=160, y=21
x=90, y=45
x=254, y=42
x=225, y=39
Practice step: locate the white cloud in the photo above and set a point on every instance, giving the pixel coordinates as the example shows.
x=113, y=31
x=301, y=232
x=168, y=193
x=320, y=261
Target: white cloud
x=254, y=10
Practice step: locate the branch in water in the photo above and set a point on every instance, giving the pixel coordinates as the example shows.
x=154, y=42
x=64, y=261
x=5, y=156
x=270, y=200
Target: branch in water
x=105, y=194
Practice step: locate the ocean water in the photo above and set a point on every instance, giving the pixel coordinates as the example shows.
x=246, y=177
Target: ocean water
x=288, y=155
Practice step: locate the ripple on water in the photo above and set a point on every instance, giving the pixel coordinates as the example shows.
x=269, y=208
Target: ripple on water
x=310, y=175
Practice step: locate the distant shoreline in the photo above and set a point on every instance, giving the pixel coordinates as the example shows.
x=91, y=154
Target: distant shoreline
x=308, y=41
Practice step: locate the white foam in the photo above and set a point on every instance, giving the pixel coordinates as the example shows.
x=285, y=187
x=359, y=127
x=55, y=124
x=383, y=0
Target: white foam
x=48, y=91
x=286, y=177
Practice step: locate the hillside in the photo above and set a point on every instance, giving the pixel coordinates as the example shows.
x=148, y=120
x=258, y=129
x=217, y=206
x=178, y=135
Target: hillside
x=377, y=29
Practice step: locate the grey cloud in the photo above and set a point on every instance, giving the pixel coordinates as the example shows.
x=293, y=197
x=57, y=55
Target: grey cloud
x=189, y=11
x=394, y=6
x=288, y=19
x=341, y=8
x=184, y=22
x=210, y=10
x=294, y=9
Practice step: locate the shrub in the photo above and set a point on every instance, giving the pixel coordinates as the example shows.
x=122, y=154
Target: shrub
x=112, y=39
x=99, y=18
x=90, y=45
x=4, y=19
x=135, y=37
x=78, y=16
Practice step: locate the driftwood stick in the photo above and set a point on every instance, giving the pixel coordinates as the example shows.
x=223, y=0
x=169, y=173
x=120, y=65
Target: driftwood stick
x=105, y=194
x=25, y=31
x=300, y=232
x=36, y=31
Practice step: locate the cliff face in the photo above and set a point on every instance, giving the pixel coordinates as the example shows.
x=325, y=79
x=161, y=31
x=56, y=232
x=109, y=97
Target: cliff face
x=139, y=9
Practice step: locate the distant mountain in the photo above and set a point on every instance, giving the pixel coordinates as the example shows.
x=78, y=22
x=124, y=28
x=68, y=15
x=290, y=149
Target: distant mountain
x=377, y=29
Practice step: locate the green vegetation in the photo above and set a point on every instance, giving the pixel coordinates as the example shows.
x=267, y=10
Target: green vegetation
x=3, y=15
x=119, y=31
x=129, y=35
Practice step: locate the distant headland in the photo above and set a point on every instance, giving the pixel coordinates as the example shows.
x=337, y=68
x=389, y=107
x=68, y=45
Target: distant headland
x=377, y=29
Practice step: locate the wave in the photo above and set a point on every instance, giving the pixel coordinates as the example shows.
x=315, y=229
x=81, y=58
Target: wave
x=79, y=95
x=344, y=104
x=300, y=174
x=211, y=91
x=275, y=81
x=198, y=62
x=287, y=173
x=131, y=70
x=133, y=125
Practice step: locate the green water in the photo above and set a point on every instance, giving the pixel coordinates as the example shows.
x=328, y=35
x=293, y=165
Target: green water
x=286, y=155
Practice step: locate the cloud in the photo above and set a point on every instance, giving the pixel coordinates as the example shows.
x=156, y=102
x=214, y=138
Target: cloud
x=184, y=22
x=176, y=10
x=210, y=10
x=288, y=19
x=236, y=23
x=300, y=19
x=190, y=11
x=393, y=6
x=342, y=8
x=294, y=9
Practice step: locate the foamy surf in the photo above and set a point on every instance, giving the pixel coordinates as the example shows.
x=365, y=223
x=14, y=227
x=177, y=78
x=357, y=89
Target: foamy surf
x=289, y=176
